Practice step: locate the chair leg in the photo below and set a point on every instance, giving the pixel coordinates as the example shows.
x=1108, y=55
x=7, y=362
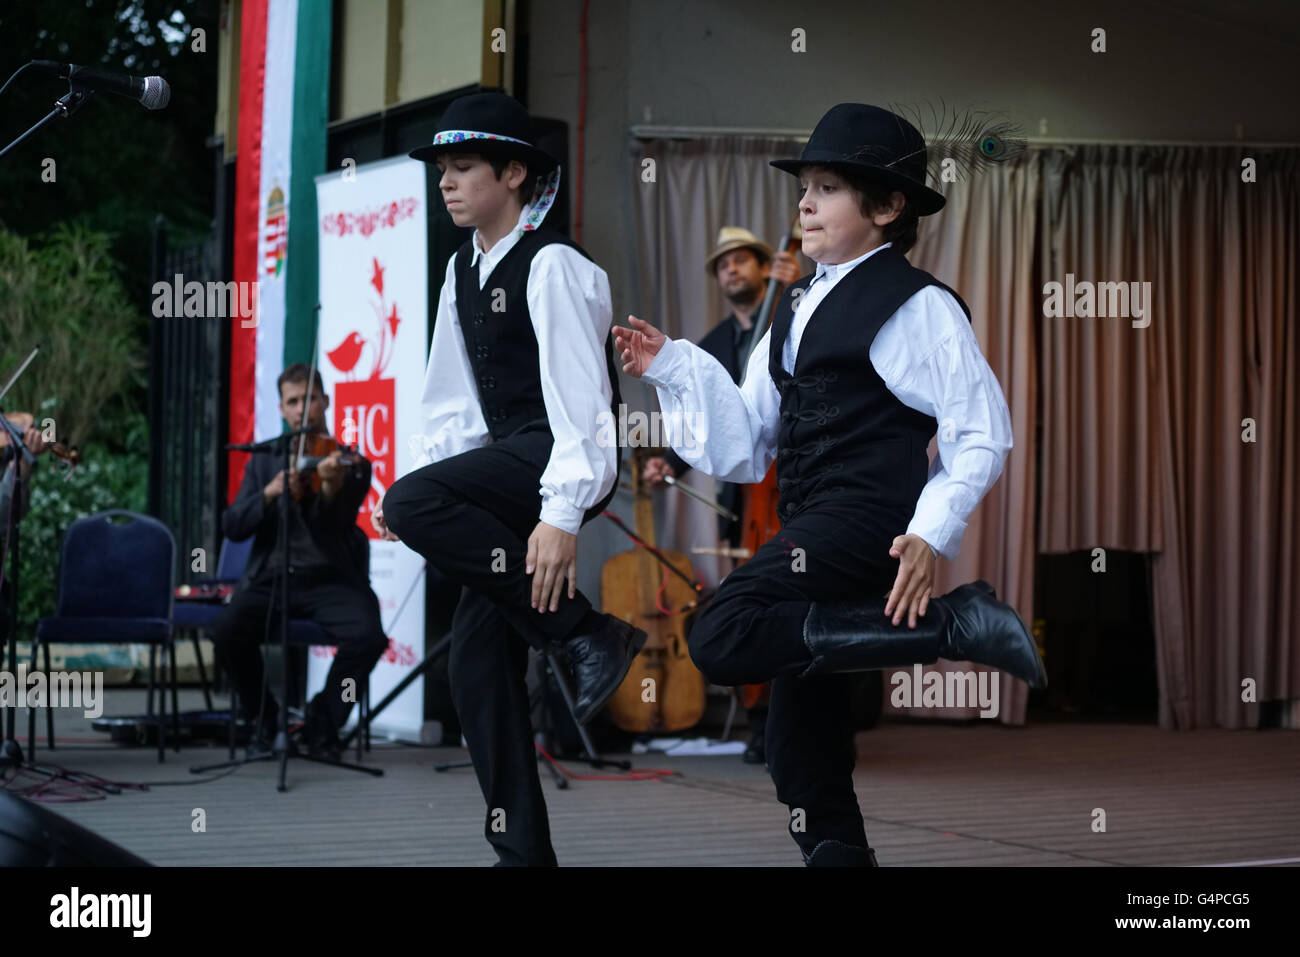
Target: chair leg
x=31, y=712
x=162, y=702
x=176, y=704
x=153, y=663
x=234, y=710
x=361, y=719
x=731, y=714
x=367, y=713
x=49, y=712
x=203, y=672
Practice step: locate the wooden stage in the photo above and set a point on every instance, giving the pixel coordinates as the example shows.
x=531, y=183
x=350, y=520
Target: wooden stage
x=933, y=795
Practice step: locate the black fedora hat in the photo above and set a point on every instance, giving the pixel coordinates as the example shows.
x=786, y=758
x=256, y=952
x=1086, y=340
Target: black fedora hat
x=492, y=124
x=878, y=144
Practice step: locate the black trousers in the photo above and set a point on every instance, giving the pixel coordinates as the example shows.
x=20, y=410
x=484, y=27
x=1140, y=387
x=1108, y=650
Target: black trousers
x=470, y=516
x=752, y=631
x=349, y=615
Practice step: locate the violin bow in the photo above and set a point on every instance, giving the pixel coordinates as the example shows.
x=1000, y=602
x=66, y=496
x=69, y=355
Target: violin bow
x=764, y=316
x=311, y=384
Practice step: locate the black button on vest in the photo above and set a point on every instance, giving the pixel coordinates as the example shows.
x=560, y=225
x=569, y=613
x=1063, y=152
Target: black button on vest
x=500, y=341
x=843, y=435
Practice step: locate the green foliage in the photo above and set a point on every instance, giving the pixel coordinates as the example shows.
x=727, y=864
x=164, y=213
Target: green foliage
x=65, y=297
x=88, y=378
x=117, y=165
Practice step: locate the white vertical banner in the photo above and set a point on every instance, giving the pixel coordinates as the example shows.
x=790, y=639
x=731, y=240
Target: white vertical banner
x=273, y=210
x=371, y=354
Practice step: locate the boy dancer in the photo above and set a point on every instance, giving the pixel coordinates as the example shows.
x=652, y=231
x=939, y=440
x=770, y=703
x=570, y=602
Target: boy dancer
x=862, y=361
x=519, y=372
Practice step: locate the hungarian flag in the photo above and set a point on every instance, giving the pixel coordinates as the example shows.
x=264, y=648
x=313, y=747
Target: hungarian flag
x=284, y=61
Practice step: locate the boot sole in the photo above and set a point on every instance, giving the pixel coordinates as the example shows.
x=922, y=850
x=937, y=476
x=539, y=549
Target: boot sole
x=639, y=638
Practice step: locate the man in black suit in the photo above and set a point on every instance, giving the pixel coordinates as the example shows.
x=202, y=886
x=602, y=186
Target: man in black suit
x=329, y=583
x=741, y=264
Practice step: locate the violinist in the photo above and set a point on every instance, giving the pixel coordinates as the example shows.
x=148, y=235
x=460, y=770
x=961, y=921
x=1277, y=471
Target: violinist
x=327, y=564
x=741, y=264
x=35, y=442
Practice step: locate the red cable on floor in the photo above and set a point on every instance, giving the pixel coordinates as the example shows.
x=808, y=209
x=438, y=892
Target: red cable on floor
x=645, y=774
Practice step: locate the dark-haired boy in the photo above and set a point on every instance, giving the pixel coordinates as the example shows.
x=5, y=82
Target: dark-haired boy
x=520, y=377
x=863, y=360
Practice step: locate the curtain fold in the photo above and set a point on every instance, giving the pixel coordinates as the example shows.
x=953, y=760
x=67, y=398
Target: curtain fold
x=1143, y=424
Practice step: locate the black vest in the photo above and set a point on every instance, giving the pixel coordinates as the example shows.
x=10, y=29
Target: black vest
x=844, y=437
x=502, y=345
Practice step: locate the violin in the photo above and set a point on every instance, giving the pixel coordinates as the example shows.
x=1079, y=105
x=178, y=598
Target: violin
x=314, y=448
x=25, y=421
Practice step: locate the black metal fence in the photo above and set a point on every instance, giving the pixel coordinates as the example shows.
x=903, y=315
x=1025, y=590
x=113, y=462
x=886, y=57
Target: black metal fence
x=187, y=411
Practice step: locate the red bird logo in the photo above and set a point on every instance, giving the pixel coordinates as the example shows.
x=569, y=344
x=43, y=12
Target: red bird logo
x=345, y=355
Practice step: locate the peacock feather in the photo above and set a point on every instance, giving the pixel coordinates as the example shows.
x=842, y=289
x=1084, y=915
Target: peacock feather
x=974, y=140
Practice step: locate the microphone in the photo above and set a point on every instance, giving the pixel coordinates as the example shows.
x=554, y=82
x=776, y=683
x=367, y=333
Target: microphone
x=151, y=92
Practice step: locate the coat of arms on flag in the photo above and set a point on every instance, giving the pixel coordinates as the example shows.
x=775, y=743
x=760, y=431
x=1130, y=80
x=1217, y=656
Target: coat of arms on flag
x=275, y=234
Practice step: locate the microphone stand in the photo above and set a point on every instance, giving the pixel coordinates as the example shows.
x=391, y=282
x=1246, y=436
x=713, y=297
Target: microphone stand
x=283, y=445
x=64, y=106
x=11, y=752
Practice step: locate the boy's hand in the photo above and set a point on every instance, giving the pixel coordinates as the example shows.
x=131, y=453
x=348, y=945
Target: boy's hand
x=377, y=522
x=553, y=552
x=911, y=591
x=638, y=345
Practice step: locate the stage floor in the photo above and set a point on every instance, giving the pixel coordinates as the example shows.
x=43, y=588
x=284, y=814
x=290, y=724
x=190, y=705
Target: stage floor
x=932, y=795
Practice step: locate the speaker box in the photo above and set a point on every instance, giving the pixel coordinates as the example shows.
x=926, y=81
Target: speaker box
x=32, y=836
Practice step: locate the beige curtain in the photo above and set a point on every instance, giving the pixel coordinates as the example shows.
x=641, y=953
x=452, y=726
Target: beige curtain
x=1143, y=427
x=683, y=192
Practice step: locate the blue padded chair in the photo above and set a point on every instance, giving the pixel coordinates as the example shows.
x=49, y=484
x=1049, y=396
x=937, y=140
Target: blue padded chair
x=196, y=617
x=115, y=587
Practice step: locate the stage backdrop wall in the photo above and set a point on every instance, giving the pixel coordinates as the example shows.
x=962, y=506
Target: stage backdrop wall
x=371, y=351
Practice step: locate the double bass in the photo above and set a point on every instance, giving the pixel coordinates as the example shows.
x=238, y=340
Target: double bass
x=663, y=690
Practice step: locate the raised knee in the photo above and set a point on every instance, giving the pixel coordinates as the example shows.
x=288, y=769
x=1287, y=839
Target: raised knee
x=396, y=505
x=711, y=657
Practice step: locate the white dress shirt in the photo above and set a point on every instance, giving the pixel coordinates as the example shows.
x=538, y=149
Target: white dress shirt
x=926, y=354
x=571, y=310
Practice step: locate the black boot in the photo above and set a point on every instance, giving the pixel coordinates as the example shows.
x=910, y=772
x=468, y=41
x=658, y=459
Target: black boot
x=967, y=624
x=263, y=726
x=839, y=854
x=599, y=659
x=322, y=733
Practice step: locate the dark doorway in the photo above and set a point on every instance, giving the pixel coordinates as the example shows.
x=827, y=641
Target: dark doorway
x=1098, y=638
